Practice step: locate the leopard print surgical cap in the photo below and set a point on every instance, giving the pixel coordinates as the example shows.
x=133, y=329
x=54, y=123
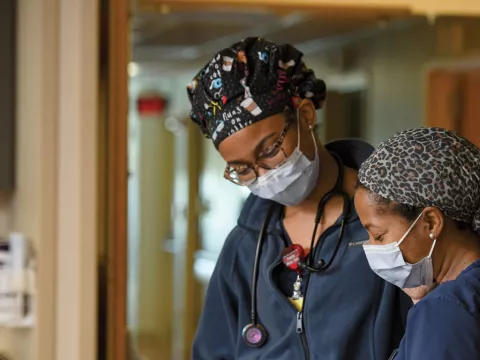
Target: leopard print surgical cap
x=427, y=167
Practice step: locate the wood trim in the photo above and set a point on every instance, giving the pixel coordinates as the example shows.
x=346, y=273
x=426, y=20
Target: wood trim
x=102, y=180
x=114, y=55
x=76, y=173
x=419, y=7
x=322, y=8
x=47, y=268
x=468, y=61
x=192, y=287
x=34, y=203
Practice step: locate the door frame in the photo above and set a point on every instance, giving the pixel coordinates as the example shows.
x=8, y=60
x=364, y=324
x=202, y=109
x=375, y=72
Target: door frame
x=114, y=55
x=114, y=341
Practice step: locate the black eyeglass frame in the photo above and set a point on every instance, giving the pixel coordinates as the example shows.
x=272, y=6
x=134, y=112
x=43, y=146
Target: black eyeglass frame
x=276, y=145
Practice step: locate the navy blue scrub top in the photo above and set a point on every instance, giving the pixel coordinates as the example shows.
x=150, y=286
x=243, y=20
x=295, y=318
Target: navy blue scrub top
x=445, y=324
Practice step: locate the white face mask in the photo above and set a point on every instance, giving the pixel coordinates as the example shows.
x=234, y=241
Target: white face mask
x=388, y=263
x=292, y=182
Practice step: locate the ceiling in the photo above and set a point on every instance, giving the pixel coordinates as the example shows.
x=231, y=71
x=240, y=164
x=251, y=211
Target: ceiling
x=178, y=36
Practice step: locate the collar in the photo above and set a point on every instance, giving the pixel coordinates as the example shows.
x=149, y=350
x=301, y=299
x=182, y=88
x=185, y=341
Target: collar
x=352, y=152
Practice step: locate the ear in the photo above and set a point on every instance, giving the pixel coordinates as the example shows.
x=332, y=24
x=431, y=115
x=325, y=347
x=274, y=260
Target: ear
x=434, y=221
x=307, y=113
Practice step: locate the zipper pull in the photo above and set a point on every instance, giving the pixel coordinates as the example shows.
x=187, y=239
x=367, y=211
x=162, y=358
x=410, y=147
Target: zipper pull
x=299, y=322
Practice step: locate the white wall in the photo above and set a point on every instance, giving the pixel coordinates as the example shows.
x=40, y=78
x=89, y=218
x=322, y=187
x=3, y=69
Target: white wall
x=222, y=199
x=394, y=63
x=393, y=66
x=396, y=96
x=150, y=188
x=158, y=203
x=157, y=183
x=54, y=203
x=33, y=206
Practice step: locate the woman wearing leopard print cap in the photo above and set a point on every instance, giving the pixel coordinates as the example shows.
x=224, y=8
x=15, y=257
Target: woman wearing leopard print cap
x=418, y=196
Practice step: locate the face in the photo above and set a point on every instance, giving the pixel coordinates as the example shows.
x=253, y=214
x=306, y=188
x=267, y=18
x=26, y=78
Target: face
x=385, y=227
x=252, y=145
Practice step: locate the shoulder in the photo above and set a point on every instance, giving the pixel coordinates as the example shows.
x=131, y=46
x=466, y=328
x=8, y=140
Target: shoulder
x=444, y=314
x=227, y=261
x=464, y=293
x=452, y=304
x=439, y=328
x=254, y=212
x=240, y=244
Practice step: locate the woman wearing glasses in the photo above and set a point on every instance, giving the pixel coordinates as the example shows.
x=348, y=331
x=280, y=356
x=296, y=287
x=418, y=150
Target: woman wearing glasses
x=419, y=198
x=292, y=281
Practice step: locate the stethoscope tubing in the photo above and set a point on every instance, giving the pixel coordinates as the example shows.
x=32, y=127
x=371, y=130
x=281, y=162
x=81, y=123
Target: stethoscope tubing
x=322, y=266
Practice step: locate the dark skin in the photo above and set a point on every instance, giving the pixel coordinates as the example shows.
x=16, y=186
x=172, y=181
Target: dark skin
x=454, y=251
x=244, y=146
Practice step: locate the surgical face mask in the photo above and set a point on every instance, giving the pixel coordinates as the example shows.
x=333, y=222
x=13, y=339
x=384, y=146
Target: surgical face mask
x=388, y=263
x=293, y=181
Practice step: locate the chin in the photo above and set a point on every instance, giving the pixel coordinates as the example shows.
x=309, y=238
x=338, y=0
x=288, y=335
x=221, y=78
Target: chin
x=416, y=294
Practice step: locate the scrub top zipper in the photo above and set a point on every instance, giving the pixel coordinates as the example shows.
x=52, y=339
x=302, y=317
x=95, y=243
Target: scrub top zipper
x=300, y=318
x=300, y=327
x=300, y=322
x=299, y=314
x=302, y=335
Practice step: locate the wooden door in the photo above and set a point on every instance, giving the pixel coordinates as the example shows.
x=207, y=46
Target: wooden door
x=452, y=101
x=443, y=99
x=335, y=118
x=470, y=122
x=344, y=115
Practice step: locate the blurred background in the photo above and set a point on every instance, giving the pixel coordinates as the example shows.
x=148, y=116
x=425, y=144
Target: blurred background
x=124, y=201
x=383, y=71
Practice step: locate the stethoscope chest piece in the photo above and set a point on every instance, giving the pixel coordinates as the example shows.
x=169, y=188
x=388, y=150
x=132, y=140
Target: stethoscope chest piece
x=254, y=335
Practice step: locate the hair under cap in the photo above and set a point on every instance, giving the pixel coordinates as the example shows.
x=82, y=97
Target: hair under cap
x=247, y=82
x=427, y=167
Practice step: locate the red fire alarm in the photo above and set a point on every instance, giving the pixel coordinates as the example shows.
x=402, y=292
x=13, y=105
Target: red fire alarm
x=151, y=105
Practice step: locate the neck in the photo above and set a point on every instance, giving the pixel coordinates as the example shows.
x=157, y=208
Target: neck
x=455, y=253
x=327, y=178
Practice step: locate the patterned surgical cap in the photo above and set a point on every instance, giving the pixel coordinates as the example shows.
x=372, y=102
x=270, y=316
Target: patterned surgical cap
x=247, y=82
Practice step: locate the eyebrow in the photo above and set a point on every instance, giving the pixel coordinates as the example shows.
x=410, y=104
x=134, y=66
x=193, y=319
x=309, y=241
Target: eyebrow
x=258, y=147
x=369, y=226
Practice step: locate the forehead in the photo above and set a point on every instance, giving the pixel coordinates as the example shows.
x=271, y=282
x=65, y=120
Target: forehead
x=242, y=143
x=364, y=203
x=371, y=212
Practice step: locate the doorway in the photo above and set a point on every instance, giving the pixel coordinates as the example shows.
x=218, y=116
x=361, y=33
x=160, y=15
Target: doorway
x=344, y=115
x=452, y=99
x=164, y=209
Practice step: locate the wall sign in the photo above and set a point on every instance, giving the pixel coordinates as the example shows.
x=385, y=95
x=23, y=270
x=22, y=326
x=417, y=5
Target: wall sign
x=151, y=105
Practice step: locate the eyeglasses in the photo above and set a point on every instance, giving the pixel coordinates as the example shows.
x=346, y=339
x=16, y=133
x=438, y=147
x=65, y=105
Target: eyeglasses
x=271, y=158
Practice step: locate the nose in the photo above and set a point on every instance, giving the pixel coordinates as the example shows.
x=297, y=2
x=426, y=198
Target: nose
x=261, y=171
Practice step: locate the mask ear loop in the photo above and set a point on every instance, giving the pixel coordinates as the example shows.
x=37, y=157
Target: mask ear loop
x=433, y=237
x=409, y=229
x=314, y=141
x=311, y=128
x=298, y=129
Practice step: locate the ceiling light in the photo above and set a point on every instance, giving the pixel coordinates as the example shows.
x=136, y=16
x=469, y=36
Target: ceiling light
x=133, y=69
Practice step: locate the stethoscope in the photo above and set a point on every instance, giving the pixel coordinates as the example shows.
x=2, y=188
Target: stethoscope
x=254, y=334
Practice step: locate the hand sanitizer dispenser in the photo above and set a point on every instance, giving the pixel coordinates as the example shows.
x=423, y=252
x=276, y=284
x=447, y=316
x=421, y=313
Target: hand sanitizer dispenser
x=16, y=282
